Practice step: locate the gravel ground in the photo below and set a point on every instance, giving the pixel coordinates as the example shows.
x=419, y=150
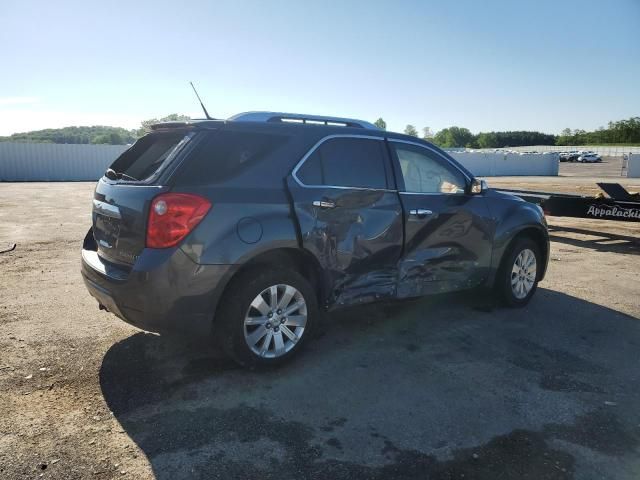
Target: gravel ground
x=580, y=178
x=445, y=387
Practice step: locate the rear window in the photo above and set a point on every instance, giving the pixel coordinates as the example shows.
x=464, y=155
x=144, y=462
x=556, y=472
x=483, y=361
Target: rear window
x=148, y=155
x=346, y=162
x=225, y=154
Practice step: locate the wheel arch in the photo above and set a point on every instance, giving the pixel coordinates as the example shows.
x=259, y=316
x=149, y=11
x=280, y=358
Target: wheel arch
x=297, y=259
x=539, y=236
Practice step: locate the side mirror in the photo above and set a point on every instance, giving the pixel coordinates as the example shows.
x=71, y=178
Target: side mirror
x=478, y=186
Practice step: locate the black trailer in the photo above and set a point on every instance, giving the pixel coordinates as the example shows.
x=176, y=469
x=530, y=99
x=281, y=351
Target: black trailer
x=620, y=205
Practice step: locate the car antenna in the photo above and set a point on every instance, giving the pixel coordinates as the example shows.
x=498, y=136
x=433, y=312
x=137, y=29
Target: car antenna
x=206, y=114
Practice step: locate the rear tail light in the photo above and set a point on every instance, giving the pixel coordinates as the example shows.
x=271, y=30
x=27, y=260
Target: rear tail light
x=172, y=217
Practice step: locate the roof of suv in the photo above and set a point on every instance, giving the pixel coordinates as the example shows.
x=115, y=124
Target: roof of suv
x=275, y=117
x=291, y=122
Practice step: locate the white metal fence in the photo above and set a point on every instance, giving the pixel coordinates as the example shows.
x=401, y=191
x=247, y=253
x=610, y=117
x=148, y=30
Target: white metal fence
x=20, y=162
x=34, y=162
x=633, y=166
x=490, y=164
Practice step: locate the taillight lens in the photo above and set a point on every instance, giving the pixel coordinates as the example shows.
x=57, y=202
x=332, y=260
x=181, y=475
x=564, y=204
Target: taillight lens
x=172, y=217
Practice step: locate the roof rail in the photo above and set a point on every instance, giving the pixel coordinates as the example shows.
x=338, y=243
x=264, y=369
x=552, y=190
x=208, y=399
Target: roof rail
x=301, y=118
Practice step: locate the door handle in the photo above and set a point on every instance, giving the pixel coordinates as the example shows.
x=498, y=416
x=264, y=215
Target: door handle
x=420, y=212
x=323, y=204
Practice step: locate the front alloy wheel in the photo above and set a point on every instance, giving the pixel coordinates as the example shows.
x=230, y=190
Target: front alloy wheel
x=523, y=274
x=517, y=278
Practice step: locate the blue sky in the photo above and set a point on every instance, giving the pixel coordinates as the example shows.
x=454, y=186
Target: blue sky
x=484, y=65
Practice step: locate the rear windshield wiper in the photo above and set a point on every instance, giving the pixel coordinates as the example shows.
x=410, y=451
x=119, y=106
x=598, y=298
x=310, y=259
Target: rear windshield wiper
x=111, y=174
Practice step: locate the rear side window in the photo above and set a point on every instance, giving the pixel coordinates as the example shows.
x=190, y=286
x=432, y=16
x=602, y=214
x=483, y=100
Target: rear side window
x=149, y=154
x=346, y=162
x=225, y=154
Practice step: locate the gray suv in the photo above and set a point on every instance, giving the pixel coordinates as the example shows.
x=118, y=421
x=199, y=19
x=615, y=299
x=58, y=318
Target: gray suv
x=246, y=229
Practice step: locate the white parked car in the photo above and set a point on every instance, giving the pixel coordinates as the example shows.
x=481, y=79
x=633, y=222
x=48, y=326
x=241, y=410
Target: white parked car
x=589, y=158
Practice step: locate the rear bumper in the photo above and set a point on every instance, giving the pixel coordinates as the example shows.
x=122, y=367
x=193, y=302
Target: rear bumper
x=165, y=291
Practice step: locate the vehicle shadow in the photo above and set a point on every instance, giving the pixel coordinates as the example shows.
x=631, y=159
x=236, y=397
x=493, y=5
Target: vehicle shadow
x=430, y=389
x=605, y=241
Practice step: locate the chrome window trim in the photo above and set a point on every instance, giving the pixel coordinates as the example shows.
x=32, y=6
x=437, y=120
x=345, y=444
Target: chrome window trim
x=428, y=193
x=426, y=147
x=294, y=173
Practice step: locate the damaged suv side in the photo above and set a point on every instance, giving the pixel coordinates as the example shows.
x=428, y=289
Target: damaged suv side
x=244, y=229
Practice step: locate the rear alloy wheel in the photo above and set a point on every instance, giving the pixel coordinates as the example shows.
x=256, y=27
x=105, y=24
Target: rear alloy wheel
x=517, y=279
x=275, y=321
x=266, y=316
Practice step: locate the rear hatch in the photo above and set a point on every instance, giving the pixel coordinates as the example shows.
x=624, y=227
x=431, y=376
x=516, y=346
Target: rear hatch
x=123, y=195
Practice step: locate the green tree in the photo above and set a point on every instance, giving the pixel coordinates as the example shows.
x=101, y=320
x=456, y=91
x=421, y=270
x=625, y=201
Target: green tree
x=411, y=130
x=381, y=124
x=101, y=139
x=173, y=117
x=454, y=137
x=512, y=139
x=427, y=134
x=115, y=139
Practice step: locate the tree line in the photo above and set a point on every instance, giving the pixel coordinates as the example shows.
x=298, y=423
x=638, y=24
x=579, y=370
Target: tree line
x=622, y=132
x=81, y=135
x=91, y=135
x=625, y=132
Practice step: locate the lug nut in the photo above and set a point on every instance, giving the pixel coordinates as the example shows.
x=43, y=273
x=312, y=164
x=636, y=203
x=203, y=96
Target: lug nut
x=276, y=329
x=268, y=325
x=270, y=314
x=279, y=312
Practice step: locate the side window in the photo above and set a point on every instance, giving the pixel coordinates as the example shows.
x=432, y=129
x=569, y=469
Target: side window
x=224, y=154
x=425, y=171
x=346, y=162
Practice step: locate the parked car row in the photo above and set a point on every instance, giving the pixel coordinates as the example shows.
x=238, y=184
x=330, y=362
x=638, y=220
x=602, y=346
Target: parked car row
x=580, y=156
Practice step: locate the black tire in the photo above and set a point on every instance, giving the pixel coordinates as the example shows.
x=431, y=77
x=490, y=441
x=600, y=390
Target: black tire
x=229, y=327
x=503, y=286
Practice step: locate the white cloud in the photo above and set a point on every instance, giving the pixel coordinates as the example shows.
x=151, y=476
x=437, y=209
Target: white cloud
x=18, y=100
x=16, y=121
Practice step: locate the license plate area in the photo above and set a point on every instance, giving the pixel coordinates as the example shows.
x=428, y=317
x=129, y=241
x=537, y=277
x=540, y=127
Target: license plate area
x=107, y=230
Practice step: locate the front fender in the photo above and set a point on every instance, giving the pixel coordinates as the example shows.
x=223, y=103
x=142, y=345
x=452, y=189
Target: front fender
x=513, y=216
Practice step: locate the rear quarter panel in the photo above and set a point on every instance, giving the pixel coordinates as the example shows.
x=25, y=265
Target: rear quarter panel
x=251, y=211
x=241, y=224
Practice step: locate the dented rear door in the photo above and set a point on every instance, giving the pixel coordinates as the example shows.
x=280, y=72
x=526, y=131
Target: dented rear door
x=350, y=216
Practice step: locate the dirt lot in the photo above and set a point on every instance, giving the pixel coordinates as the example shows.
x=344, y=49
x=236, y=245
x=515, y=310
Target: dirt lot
x=609, y=167
x=447, y=387
x=574, y=177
